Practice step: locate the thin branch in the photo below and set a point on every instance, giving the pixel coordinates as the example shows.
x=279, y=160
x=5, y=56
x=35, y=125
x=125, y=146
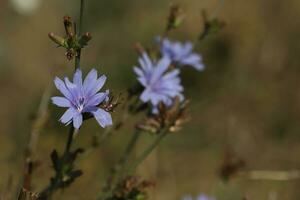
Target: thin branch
x=34, y=136
x=130, y=169
x=271, y=175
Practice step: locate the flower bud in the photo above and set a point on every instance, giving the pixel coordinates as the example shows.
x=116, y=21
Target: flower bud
x=70, y=53
x=139, y=48
x=211, y=26
x=57, y=39
x=68, y=23
x=171, y=118
x=84, y=39
x=175, y=17
x=110, y=104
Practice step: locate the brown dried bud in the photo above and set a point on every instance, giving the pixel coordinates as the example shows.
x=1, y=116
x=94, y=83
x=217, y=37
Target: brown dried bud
x=27, y=195
x=70, y=54
x=57, y=39
x=231, y=165
x=69, y=26
x=111, y=104
x=84, y=39
x=138, y=48
x=171, y=118
x=133, y=186
x=71, y=42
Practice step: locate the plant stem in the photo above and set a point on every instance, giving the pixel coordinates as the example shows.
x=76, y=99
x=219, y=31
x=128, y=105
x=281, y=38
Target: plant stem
x=56, y=181
x=70, y=139
x=81, y=16
x=78, y=53
x=118, y=174
x=124, y=168
x=130, y=169
x=77, y=59
x=129, y=148
x=272, y=175
x=33, y=138
x=125, y=157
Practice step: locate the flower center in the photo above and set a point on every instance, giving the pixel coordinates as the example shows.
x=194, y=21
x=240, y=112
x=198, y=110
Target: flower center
x=80, y=104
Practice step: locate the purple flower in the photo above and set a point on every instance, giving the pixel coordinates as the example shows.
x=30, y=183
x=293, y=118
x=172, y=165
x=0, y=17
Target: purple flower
x=82, y=97
x=180, y=53
x=160, y=84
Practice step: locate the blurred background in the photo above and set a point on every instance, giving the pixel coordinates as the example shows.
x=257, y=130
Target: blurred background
x=245, y=106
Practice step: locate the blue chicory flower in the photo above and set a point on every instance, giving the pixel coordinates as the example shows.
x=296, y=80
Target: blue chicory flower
x=180, y=53
x=82, y=97
x=160, y=84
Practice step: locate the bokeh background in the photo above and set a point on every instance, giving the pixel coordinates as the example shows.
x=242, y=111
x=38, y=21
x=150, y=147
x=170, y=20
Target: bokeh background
x=245, y=105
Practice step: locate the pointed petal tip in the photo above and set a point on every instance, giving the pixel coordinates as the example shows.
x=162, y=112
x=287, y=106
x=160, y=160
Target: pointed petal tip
x=61, y=101
x=93, y=70
x=56, y=80
x=199, y=67
x=104, y=77
x=77, y=121
x=103, y=118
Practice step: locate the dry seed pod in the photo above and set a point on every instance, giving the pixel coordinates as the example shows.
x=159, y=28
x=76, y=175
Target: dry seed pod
x=172, y=117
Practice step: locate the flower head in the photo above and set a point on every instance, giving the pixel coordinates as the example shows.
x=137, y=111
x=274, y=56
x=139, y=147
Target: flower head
x=180, y=53
x=160, y=84
x=82, y=97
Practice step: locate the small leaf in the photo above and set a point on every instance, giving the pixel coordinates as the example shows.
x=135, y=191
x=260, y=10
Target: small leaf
x=73, y=155
x=55, y=160
x=72, y=176
x=57, y=39
x=69, y=26
x=75, y=174
x=211, y=26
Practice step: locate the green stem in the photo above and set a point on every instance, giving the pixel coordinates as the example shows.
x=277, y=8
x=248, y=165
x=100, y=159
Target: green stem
x=118, y=174
x=78, y=53
x=77, y=59
x=129, y=148
x=56, y=182
x=70, y=139
x=81, y=16
x=124, y=168
x=38, y=123
x=130, y=169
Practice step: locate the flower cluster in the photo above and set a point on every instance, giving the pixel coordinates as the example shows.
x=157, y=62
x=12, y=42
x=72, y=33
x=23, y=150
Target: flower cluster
x=161, y=81
x=72, y=42
x=82, y=97
x=160, y=89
